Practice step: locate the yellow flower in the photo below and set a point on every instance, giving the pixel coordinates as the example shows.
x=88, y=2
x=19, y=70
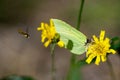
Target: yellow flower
x=48, y=34
x=99, y=48
x=61, y=43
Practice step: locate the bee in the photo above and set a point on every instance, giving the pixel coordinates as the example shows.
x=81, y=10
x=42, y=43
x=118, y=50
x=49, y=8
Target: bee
x=24, y=33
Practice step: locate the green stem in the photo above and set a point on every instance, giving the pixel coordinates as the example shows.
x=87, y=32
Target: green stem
x=111, y=70
x=80, y=14
x=73, y=57
x=53, y=61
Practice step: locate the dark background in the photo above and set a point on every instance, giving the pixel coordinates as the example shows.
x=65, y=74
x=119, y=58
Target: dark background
x=22, y=56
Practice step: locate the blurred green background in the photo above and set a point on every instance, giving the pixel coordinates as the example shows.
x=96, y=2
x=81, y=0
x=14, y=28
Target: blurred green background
x=22, y=56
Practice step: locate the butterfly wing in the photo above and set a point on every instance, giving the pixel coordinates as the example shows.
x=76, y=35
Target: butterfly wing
x=69, y=34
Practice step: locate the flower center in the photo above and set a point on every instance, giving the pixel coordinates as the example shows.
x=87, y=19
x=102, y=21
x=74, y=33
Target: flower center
x=99, y=48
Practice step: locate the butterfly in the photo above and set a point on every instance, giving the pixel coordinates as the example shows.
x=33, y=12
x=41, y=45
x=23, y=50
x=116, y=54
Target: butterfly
x=74, y=40
x=24, y=33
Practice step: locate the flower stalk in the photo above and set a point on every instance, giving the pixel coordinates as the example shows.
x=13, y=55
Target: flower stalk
x=80, y=14
x=52, y=48
x=50, y=37
x=73, y=58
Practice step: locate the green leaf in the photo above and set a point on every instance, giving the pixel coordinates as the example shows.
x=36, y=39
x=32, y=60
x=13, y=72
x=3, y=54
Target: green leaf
x=15, y=77
x=115, y=44
x=69, y=35
x=81, y=63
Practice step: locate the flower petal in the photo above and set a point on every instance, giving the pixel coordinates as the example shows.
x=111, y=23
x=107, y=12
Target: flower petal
x=43, y=38
x=89, y=59
x=103, y=58
x=97, y=60
x=102, y=34
x=47, y=43
x=111, y=51
x=41, y=28
x=95, y=38
x=61, y=43
x=88, y=53
x=51, y=22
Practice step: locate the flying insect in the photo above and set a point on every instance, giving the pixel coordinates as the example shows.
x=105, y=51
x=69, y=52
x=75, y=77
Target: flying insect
x=24, y=33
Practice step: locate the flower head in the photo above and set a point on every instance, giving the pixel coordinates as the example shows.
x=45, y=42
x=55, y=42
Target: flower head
x=49, y=34
x=99, y=48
